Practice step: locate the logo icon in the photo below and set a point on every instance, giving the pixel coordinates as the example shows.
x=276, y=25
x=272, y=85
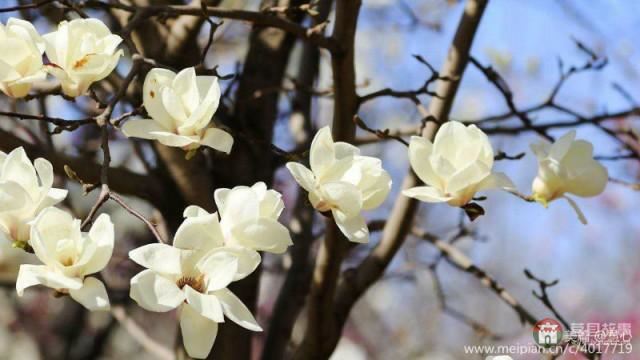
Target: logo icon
x=547, y=332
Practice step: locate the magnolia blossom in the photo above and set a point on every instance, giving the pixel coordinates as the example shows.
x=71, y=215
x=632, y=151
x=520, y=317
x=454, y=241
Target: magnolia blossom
x=181, y=107
x=342, y=181
x=69, y=256
x=20, y=58
x=25, y=189
x=81, y=52
x=456, y=166
x=567, y=166
x=192, y=275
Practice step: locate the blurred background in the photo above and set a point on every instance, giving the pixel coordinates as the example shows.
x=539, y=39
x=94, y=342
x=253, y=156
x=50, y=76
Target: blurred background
x=401, y=317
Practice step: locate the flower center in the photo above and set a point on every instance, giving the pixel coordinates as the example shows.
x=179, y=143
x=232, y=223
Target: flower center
x=195, y=282
x=67, y=261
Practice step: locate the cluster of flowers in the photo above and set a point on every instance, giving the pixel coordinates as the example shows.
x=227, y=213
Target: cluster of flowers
x=211, y=250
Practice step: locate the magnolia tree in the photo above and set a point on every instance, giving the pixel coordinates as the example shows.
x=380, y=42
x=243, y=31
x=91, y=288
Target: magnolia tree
x=205, y=165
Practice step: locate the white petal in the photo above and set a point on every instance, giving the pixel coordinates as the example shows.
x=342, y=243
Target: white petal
x=239, y=204
x=377, y=192
x=199, y=233
x=30, y=275
x=271, y=204
x=206, y=305
x=141, y=128
x=156, y=79
x=49, y=227
x=344, y=196
x=53, y=197
x=210, y=92
x=496, y=180
x=12, y=196
x=45, y=172
x=186, y=89
x=162, y=258
x=193, y=211
x=579, y=212
x=427, y=194
x=322, y=152
x=102, y=235
x=171, y=139
x=217, y=139
x=468, y=176
x=18, y=168
x=198, y=332
x=220, y=268
x=560, y=148
x=354, y=227
x=248, y=260
x=235, y=310
x=302, y=175
x=92, y=295
x=173, y=106
x=154, y=292
x=262, y=234
x=420, y=150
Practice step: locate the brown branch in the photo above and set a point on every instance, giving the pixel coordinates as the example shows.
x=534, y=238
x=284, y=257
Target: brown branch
x=140, y=335
x=322, y=328
x=266, y=19
x=399, y=222
x=295, y=288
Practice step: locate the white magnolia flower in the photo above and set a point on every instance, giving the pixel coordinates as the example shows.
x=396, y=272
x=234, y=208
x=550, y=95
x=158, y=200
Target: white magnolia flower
x=456, y=166
x=81, y=52
x=249, y=218
x=567, y=166
x=20, y=57
x=192, y=275
x=25, y=189
x=69, y=256
x=344, y=182
x=181, y=107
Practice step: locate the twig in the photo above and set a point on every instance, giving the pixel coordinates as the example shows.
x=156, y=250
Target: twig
x=139, y=335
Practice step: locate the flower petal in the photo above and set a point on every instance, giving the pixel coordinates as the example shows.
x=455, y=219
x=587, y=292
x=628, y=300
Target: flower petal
x=303, y=176
x=142, y=129
x=171, y=139
x=162, y=258
x=154, y=292
x=92, y=295
x=427, y=194
x=496, y=180
x=263, y=234
x=217, y=139
x=322, y=152
x=576, y=208
x=194, y=210
x=420, y=150
x=30, y=275
x=206, y=305
x=18, y=168
x=199, y=233
x=343, y=196
x=219, y=267
x=248, y=260
x=235, y=310
x=102, y=235
x=154, y=82
x=198, y=332
x=354, y=227
x=560, y=148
